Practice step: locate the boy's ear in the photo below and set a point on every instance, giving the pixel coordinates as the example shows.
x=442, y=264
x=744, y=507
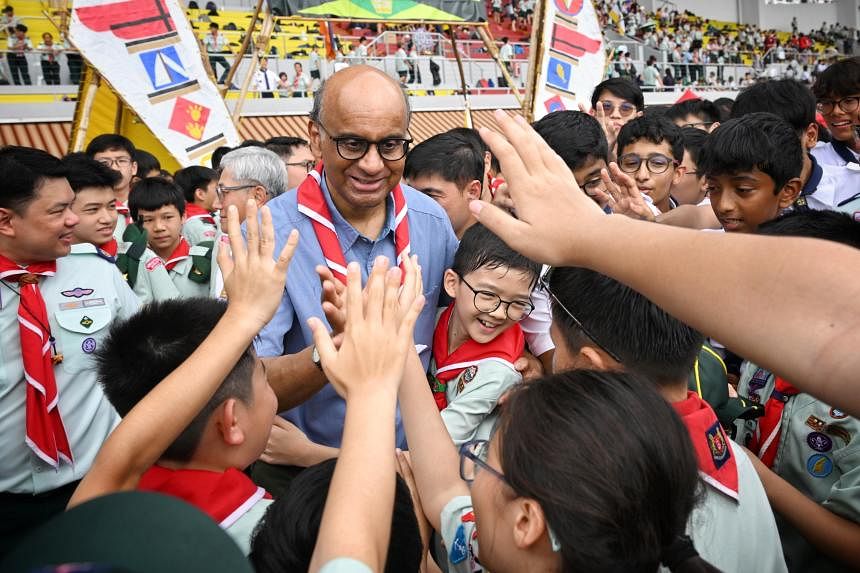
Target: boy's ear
x=227, y=423
x=789, y=193
x=592, y=358
x=450, y=280
x=474, y=190
x=679, y=173
x=6, y=227
x=199, y=195
x=810, y=136
x=529, y=523
x=714, y=126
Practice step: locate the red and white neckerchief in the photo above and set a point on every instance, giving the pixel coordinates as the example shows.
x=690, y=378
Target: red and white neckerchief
x=505, y=348
x=180, y=253
x=717, y=466
x=45, y=434
x=109, y=248
x=765, y=441
x=194, y=211
x=223, y=496
x=312, y=204
x=123, y=210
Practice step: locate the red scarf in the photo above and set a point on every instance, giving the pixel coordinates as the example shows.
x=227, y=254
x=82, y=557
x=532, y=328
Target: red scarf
x=178, y=254
x=109, y=248
x=224, y=496
x=312, y=203
x=194, y=211
x=508, y=346
x=123, y=210
x=765, y=441
x=45, y=433
x=717, y=465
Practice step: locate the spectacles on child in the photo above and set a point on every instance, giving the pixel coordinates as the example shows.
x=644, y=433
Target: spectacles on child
x=487, y=301
x=624, y=108
x=656, y=163
x=846, y=104
x=473, y=455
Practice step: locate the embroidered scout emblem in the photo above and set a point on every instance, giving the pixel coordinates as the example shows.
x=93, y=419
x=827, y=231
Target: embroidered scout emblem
x=819, y=465
x=819, y=442
x=86, y=321
x=717, y=444
x=839, y=432
x=816, y=423
x=77, y=292
x=758, y=381
x=467, y=376
x=459, y=551
x=837, y=414
x=88, y=345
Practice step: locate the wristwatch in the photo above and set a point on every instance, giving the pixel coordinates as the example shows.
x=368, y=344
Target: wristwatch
x=315, y=358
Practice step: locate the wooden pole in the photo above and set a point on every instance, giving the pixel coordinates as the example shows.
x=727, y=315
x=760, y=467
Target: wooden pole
x=463, y=86
x=228, y=81
x=535, y=60
x=262, y=45
x=92, y=79
x=484, y=32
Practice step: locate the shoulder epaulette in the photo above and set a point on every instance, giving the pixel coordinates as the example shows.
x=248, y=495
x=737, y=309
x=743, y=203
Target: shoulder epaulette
x=201, y=262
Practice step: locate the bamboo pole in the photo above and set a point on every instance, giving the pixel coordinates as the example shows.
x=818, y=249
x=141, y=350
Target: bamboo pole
x=262, y=45
x=92, y=79
x=228, y=81
x=484, y=32
x=463, y=86
x=535, y=60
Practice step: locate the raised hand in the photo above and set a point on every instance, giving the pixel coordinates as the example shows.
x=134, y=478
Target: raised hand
x=333, y=299
x=377, y=332
x=253, y=279
x=625, y=197
x=553, y=214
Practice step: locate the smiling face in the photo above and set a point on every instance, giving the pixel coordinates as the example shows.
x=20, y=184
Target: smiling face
x=43, y=230
x=469, y=322
x=618, y=110
x=840, y=122
x=164, y=229
x=96, y=211
x=745, y=200
x=361, y=103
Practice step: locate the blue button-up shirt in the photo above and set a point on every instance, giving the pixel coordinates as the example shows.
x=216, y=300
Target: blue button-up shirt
x=431, y=238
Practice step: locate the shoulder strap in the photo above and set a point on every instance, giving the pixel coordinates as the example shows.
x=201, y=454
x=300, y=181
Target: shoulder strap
x=128, y=259
x=201, y=262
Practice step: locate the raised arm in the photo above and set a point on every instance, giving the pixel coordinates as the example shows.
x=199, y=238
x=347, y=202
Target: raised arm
x=791, y=305
x=254, y=283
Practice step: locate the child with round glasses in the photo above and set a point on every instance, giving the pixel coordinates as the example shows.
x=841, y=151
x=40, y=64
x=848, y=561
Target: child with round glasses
x=477, y=338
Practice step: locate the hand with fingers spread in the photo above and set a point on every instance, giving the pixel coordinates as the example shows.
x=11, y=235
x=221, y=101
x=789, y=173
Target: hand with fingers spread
x=626, y=199
x=609, y=128
x=553, y=214
x=333, y=299
x=377, y=332
x=253, y=279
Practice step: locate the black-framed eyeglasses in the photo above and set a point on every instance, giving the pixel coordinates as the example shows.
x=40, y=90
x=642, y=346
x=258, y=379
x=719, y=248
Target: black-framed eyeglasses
x=544, y=284
x=222, y=190
x=656, y=163
x=354, y=148
x=308, y=165
x=487, y=301
x=593, y=185
x=118, y=161
x=700, y=124
x=846, y=104
x=624, y=108
x=473, y=455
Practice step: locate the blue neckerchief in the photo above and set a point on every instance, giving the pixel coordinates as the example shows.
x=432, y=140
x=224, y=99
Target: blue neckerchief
x=814, y=178
x=844, y=152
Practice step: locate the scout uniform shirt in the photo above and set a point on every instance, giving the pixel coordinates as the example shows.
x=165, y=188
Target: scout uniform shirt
x=732, y=527
x=199, y=225
x=817, y=450
x=230, y=498
x=468, y=382
x=187, y=277
x=83, y=298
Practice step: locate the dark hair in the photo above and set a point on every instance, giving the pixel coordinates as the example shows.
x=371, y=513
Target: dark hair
x=22, y=171
x=694, y=139
x=788, y=99
x=628, y=505
x=701, y=108
x=193, y=178
x=284, y=539
x=575, y=136
x=841, y=79
x=449, y=155
x=143, y=350
x=109, y=141
x=251, y=143
x=827, y=225
x=153, y=193
x=621, y=88
x=653, y=128
x=214, y=25
x=724, y=104
x=480, y=247
x=146, y=162
x=650, y=342
x=218, y=154
x=760, y=141
x=83, y=171
x=285, y=146
x=21, y=28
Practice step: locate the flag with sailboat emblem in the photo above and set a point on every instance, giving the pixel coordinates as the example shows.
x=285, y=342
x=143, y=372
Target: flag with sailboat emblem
x=147, y=52
x=570, y=57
